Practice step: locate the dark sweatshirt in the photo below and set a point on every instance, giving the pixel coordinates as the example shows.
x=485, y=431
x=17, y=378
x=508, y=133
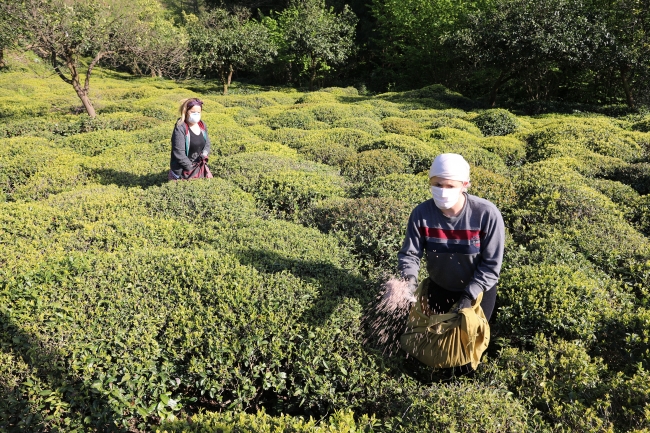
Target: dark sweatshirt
x=464, y=253
x=181, y=158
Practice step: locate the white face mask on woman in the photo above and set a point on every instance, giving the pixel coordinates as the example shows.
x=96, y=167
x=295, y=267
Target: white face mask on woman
x=195, y=117
x=445, y=198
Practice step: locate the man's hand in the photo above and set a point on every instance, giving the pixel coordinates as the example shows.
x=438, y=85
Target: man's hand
x=412, y=281
x=464, y=302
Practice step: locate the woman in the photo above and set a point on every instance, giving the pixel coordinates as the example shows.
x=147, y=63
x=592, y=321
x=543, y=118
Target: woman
x=190, y=143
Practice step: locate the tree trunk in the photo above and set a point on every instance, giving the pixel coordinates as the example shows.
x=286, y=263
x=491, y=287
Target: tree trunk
x=83, y=95
x=626, y=86
x=313, y=76
x=2, y=57
x=224, y=81
x=495, y=88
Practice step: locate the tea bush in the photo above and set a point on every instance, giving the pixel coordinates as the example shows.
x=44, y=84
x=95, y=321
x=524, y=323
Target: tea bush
x=94, y=143
x=597, y=135
x=286, y=193
x=456, y=123
x=367, y=165
x=360, y=124
x=494, y=187
x=328, y=153
x=374, y=226
x=329, y=113
x=341, y=421
x=321, y=97
x=496, y=122
x=418, y=154
x=560, y=380
x=408, y=188
x=295, y=119
x=399, y=125
x=555, y=300
x=511, y=150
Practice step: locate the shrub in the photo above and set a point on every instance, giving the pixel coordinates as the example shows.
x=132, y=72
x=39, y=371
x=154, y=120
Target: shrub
x=374, y=226
x=557, y=197
x=286, y=193
x=491, y=186
x=369, y=164
x=246, y=146
x=249, y=101
x=246, y=169
x=201, y=200
x=295, y=119
x=408, y=188
x=328, y=153
x=496, y=122
x=94, y=143
x=511, y=150
x=424, y=116
x=384, y=108
x=341, y=91
x=456, y=123
x=320, y=97
x=360, y=124
x=476, y=156
x=555, y=300
x=418, y=154
x=466, y=407
x=560, y=380
x=642, y=125
x=596, y=135
x=330, y=113
x=400, y=125
x=635, y=175
x=340, y=422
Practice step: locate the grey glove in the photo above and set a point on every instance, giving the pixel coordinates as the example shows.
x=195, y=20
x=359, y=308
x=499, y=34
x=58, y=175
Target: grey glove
x=464, y=302
x=412, y=281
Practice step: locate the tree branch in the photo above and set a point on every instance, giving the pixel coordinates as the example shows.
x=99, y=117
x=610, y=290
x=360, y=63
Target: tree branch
x=92, y=65
x=55, y=64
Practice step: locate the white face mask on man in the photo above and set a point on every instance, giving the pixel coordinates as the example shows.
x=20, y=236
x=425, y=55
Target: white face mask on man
x=445, y=198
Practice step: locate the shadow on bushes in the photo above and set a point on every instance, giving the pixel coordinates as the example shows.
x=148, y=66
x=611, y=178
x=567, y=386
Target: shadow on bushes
x=49, y=395
x=108, y=176
x=335, y=283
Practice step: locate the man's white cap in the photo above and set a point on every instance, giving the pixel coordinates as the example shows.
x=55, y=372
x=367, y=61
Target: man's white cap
x=450, y=166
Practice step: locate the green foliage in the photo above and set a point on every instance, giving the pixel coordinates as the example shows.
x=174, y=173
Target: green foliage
x=399, y=125
x=295, y=119
x=361, y=124
x=328, y=153
x=225, y=42
x=454, y=122
x=373, y=226
x=369, y=164
x=558, y=378
x=419, y=155
x=314, y=37
x=339, y=422
x=286, y=193
x=575, y=136
x=496, y=122
x=128, y=302
x=555, y=300
x=408, y=188
x=511, y=150
x=493, y=187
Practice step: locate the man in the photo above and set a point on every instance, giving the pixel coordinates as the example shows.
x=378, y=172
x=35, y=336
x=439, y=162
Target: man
x=463, y=237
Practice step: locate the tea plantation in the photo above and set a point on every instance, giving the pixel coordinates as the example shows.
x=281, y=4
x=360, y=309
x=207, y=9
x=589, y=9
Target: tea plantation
x=235, y=304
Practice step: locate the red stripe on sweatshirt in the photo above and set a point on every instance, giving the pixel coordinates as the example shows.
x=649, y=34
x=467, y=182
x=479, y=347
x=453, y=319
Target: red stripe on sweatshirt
x=449, y=234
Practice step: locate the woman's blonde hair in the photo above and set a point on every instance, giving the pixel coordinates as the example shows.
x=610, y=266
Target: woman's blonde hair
x=187, y=104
